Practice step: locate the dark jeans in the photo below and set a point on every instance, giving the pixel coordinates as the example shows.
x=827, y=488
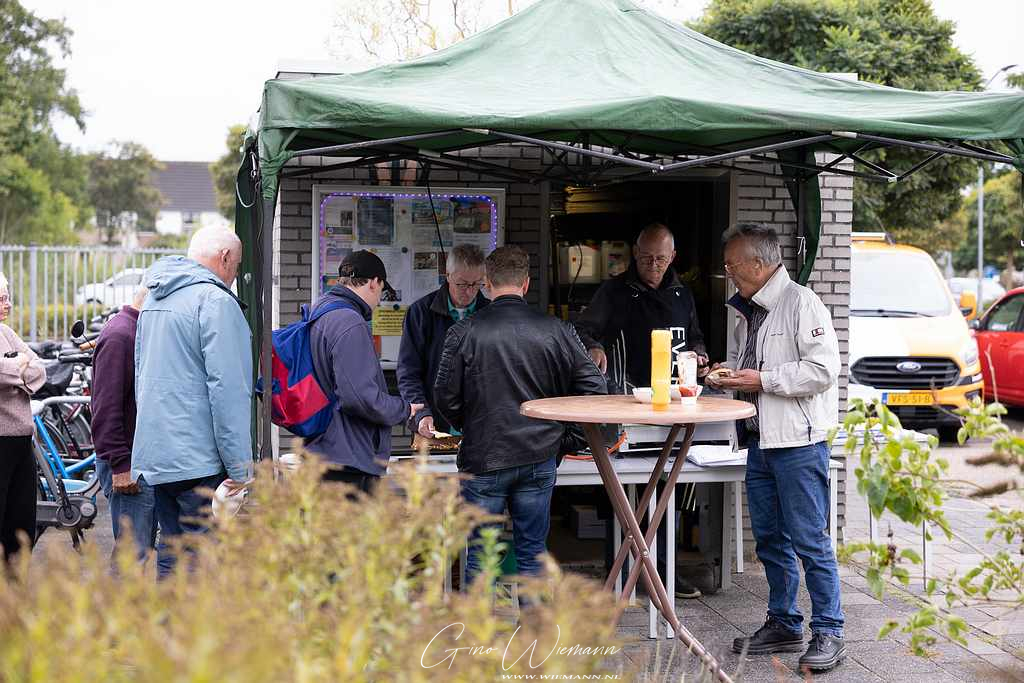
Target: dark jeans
x=788, y=495
x=181, y=509
x=526, y=490
x=138, y=509
x=19, y=484
x=348, y=475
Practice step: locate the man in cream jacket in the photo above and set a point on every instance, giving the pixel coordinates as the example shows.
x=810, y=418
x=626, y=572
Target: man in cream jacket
x=785, y=360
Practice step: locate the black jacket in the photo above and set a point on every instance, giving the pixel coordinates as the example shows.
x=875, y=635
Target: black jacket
x=426, y=324
x=624, y=309
x=505, y=355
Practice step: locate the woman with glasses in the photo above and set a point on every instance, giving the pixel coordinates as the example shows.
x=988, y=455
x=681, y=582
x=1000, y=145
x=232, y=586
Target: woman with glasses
x=21, y=375
x=423, y=332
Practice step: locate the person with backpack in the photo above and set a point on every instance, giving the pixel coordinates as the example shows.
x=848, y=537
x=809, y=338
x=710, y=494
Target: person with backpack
x=356, y=443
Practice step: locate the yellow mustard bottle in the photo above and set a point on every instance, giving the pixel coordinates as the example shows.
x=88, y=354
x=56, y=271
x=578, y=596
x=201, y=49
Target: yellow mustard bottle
x=661, y=368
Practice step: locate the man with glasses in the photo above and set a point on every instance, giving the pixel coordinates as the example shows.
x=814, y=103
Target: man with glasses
x=622, y=314
x=647, y=296
x=426, y=324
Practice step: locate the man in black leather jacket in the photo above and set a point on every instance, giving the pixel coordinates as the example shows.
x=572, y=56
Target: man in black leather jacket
x=504, y=355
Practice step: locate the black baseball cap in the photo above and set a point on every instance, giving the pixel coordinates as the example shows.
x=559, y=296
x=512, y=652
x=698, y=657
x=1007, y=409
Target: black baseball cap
x=365, y=265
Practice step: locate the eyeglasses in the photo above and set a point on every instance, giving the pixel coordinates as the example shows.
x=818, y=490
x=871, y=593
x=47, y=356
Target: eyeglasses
x=467, y=286
x=5, y=299
x=731, y=267
x=647, y=260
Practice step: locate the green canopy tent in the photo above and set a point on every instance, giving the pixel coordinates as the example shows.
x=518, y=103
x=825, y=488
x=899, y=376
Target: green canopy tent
x=631, y=93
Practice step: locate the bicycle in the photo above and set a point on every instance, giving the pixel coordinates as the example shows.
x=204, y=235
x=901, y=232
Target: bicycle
x=67, y=492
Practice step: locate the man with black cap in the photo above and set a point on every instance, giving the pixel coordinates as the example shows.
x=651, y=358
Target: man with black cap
x=357, y=442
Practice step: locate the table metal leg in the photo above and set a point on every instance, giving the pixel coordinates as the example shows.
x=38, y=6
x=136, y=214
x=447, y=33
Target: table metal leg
x=621, y=554
x=670, y=555
x=652, y=612
x=646, y=565
x=737, y=495
x=726, y=533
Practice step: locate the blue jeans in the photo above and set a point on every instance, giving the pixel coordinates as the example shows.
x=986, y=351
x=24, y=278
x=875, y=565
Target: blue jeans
x=788, y=495
x=137, y=509
x=526, y=490
x=181, y=509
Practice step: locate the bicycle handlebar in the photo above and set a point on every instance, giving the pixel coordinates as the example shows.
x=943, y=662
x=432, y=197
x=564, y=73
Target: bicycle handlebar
x=58, y=400
x=75, y=358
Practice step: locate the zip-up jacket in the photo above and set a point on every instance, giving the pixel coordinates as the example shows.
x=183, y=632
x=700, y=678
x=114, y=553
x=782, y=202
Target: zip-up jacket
x=798, y=357
x=624, y=311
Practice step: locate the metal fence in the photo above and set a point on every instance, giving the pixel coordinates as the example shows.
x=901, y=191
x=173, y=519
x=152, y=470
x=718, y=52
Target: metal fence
x=51, y=287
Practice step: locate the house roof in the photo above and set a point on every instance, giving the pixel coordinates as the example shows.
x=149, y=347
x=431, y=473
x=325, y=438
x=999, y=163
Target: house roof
x=186, y=186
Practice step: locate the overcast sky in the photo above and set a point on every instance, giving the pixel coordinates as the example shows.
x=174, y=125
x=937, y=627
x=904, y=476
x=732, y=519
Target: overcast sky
x=175, y=75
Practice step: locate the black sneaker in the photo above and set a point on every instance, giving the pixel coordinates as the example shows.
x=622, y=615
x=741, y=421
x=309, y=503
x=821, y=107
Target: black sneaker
x=823, y=653
x=772, y=637
x=685, y=589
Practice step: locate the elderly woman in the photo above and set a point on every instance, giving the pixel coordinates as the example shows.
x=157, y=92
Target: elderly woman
x=21, y=375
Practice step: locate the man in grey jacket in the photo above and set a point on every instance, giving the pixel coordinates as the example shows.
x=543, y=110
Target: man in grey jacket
x=785, y=360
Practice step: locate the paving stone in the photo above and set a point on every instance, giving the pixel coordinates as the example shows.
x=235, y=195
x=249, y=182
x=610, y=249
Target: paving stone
x=1008, y=663
x=982, y=647
x=978, y=672
x=889, y=666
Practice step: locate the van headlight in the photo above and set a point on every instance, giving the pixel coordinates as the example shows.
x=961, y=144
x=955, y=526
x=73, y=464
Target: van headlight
x=969, y=354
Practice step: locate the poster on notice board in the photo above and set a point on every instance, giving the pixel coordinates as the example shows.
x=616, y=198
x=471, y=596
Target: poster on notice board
x=410, y=230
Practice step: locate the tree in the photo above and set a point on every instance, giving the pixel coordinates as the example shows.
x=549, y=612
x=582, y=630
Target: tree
x=42, y=182
x=899, y=43
x=122, y=189
x=225, y=169
x=383, y=31
x=1015, y=80
x=1004, y=223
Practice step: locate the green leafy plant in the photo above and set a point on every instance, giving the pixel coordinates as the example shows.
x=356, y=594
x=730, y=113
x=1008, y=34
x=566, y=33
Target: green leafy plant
x=900, y=476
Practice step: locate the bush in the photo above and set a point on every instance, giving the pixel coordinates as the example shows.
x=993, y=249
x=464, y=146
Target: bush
x=306, y=585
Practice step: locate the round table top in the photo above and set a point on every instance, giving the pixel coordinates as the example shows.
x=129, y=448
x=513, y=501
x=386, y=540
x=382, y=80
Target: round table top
x=622, y=409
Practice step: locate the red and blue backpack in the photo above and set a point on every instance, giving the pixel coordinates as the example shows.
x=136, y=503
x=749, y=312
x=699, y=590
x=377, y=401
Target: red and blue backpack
x=299, y=401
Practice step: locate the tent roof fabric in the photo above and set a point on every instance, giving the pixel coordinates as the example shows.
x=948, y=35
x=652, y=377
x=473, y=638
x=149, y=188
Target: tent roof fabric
x=611, y=67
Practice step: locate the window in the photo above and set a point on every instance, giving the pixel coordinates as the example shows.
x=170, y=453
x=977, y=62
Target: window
x=190, y=219
x=893, y=282
x=1004, y=317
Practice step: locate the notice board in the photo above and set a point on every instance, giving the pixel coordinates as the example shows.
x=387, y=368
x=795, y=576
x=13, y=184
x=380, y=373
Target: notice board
x=411, y=229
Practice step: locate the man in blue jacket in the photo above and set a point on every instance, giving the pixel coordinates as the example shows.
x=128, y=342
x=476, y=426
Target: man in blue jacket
x=425, y=326
x=357, y=443
x=193, y=385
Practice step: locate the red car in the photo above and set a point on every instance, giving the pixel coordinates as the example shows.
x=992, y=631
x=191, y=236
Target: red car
x=1000, y=335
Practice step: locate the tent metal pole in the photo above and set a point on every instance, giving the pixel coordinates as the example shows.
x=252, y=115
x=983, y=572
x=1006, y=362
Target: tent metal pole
x=321, y=151
x=992, y=156
x=362, y=161
x=267, y=315
x=921, y=164
x=568, y=148
x=802, y=142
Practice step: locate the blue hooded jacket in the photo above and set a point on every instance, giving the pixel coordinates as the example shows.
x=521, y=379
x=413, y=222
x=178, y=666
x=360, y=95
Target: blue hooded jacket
x=193, y=377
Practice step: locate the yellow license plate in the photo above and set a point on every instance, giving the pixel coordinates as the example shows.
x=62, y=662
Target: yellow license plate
x=914, y=398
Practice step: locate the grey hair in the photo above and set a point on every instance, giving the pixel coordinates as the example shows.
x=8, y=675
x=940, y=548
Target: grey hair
x=763, y=241
x=656, y=230
x=207, y=243
x=465, y=257
x=4, y=284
